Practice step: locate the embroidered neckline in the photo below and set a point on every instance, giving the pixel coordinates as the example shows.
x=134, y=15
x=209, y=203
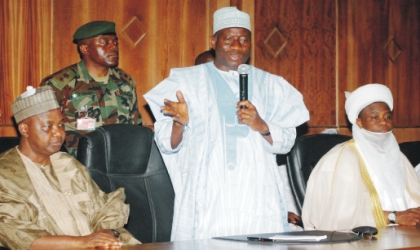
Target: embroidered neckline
x=42, y=167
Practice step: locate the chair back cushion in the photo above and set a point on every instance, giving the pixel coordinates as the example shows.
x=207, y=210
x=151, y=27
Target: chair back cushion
x=304, y=156
x=7, y=143
x=122, y=155
x=412, y=151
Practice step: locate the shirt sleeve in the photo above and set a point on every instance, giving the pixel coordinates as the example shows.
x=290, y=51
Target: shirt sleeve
x=417, y=168
x=163, y=126
x=135, y=114
x=17, y=229
x=284, y=110
x=283, y=139
x=111, y=211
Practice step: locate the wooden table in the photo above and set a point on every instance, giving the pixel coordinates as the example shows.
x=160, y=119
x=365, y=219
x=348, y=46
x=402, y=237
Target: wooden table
x=398, y=237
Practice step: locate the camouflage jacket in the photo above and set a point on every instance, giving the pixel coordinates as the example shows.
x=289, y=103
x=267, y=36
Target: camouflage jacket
x=108, y=103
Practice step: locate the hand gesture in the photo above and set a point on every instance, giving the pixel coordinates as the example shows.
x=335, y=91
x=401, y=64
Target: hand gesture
x=178, y=110
x=250, y=117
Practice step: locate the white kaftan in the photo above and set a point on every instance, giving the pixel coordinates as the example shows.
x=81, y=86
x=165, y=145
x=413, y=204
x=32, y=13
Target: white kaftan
x=336, y=197
x=211, y=198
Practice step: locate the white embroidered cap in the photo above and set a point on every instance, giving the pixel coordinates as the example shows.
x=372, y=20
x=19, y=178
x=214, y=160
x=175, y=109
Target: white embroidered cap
x=365, y=95
x=229, y=17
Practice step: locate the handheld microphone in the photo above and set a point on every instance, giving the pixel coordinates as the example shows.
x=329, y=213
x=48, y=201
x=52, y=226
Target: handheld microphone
x=243, y=70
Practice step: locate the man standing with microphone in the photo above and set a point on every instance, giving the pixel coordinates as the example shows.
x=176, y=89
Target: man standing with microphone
x=220, y=157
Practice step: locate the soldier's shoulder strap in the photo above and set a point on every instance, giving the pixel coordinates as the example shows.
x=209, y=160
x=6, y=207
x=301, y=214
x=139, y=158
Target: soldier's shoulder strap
x=125, y=76
x=61, y=78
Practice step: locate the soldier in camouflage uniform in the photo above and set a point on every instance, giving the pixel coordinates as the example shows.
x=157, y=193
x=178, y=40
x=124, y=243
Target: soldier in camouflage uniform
x=94, y=92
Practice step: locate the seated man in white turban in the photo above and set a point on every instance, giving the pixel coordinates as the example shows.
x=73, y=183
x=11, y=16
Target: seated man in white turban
x=365, y=181
x=47, y=198
x=222, y=158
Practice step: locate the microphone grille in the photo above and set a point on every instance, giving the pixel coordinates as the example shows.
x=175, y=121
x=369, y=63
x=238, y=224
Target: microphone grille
x=243, y=69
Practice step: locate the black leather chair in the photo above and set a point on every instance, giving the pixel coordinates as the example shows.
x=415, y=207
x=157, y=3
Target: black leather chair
x=412, y=151
x=126, y=156
x=303, y=157
x=7, y=143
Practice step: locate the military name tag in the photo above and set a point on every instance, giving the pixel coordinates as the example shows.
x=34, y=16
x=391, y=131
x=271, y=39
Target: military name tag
x=86, y=124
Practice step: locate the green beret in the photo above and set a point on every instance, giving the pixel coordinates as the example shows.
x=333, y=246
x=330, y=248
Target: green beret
x=92, y=29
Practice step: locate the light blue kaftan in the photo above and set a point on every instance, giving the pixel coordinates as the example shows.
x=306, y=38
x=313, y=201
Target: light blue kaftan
x=212, y=199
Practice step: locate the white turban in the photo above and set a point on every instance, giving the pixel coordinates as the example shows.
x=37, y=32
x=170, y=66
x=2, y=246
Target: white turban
x=364, y=96
x=230, y=17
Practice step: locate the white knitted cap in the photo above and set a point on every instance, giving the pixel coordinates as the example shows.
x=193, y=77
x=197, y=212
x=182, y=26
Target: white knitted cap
x=230, y=17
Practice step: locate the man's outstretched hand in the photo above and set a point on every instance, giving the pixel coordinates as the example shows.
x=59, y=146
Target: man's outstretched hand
x=178, y=110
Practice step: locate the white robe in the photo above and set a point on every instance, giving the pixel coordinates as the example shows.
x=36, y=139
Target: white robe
x=417, y=168
x=337, y=199
x=210, y=198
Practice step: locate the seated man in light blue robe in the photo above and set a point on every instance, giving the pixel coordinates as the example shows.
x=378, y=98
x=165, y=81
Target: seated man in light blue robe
x=220, y=157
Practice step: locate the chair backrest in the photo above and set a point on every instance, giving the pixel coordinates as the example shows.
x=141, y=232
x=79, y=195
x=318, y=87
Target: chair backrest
x=412, y=151
x=303, y=157
x=122, y=155
x=7, y=143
